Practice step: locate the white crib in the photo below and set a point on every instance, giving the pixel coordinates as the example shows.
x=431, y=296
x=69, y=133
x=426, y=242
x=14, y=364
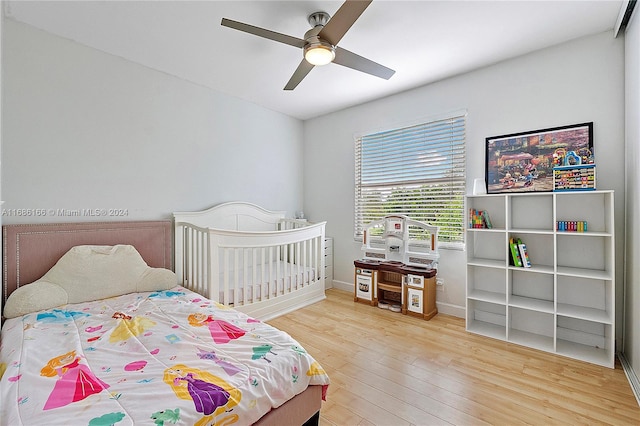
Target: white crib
x=253, y=259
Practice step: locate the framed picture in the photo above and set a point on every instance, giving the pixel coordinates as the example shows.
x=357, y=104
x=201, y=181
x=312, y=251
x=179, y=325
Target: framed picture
x=524, y=162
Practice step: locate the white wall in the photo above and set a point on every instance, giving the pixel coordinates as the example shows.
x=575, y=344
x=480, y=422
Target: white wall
x=87, y=130
x=632, y=112
x=572, y=83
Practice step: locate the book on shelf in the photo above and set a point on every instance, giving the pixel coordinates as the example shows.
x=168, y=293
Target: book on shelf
x=515, y=253
x=487, y=221
x=479, y=219
x=524, y=255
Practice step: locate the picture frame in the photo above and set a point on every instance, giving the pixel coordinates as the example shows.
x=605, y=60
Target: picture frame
x=524, y=162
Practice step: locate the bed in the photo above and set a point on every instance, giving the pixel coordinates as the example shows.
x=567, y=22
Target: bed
x=253, y=259
x=161, y=354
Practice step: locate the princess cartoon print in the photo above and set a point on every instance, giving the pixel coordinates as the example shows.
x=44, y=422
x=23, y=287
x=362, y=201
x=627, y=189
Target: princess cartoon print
x=221, y=331
x=211, y=395
x=75, y=380
x=129, y=327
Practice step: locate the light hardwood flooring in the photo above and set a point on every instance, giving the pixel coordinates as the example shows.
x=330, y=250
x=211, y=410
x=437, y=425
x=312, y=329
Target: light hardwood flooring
x=391, y=369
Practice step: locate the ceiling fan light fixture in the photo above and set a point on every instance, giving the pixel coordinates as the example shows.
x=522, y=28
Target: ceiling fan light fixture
x=319, y=53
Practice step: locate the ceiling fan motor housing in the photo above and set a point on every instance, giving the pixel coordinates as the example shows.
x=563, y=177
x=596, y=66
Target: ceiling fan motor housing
x=318, y=18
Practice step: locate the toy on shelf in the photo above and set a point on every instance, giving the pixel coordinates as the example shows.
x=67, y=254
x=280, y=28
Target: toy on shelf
x=574, y=171
x=571, y=226
x=479, y=219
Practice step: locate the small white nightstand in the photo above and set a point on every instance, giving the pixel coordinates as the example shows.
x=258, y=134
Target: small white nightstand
x=328, y=262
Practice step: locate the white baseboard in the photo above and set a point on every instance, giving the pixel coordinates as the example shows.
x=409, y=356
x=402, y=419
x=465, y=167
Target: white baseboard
x=631, y=376
x=450, y=309
x=341, y=285
x=444, y=308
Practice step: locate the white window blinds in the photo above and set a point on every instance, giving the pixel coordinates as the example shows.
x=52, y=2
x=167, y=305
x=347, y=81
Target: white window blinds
x=418, y=171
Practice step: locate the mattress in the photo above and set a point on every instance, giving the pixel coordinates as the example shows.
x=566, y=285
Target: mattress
x=168, y=357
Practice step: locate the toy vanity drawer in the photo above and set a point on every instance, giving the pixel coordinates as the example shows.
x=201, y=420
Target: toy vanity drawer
x=415, y=281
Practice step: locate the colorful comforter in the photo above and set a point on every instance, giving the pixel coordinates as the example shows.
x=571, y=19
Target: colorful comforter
x=163, y=358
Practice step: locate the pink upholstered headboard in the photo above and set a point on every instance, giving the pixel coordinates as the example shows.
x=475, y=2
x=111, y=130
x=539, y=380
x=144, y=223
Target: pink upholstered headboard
x=29, y=251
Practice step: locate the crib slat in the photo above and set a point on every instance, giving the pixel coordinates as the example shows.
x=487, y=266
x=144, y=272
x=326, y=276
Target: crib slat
x=298, y=279
x=273, y=280
x=305, y=269
x=191, y=272
x=197, y=256
x=225, y=269
x=264, y=294
x=285, y=265
x=254, y=277
x=236, y=277
x=201, y=261
x=206, y=260
x=185, y=257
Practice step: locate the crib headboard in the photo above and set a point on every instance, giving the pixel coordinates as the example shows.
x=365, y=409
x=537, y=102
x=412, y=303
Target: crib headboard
x=233, y=216
x=29, y=251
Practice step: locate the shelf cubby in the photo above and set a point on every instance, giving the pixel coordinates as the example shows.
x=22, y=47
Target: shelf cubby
x=594, y=207
x=583, y=251
x=589, y=341
x=487, y=319
x=587, y=299
x=486, y=247
x=531, y=328
x=531, y=212
x=487, y=284
x=494, y=205
x=531, y=290
x=565, y=302
x=540, y=248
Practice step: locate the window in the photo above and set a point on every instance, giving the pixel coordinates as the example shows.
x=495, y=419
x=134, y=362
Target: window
x=418, y=171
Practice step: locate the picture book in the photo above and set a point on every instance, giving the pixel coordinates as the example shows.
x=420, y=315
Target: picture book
x=515, y=253
x=524, y=255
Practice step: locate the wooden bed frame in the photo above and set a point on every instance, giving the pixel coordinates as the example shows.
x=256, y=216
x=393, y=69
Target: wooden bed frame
x=29, y=251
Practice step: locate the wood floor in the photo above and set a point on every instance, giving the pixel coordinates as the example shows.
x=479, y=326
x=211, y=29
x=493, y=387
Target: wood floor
x=390, y=369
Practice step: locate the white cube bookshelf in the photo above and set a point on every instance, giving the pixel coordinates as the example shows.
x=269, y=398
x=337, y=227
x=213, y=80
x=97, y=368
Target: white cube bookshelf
x=565, y=302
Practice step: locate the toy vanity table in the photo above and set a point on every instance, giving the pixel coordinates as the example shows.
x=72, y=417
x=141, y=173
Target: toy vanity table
x=396, y=272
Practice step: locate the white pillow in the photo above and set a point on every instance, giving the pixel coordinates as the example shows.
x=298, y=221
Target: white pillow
x=88, y=273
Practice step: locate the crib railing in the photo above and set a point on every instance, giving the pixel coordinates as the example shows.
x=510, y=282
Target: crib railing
x=241, y=268
x=193, y=250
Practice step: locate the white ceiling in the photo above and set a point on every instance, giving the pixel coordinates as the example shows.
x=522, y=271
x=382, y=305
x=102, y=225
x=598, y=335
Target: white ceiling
x=424, y=41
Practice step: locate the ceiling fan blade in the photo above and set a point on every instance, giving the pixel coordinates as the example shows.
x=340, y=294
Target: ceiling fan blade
x=261, y=32
x=342, y=20
x=357, y=62
x=300, y=73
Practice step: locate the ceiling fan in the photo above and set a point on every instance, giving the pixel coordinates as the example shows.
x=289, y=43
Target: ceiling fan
x=320, y=42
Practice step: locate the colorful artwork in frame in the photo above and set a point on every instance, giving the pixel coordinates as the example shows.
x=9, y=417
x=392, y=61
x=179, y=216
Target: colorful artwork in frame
x=524, y=162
